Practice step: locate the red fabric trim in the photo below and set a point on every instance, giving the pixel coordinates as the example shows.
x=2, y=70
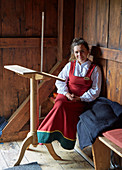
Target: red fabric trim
x=91, y=68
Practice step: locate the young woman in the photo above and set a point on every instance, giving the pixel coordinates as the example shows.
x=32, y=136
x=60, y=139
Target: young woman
x=82, y=84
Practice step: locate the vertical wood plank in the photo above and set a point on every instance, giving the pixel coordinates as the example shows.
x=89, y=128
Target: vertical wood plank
x=28, y=17
x=60, y=30
x=118, y=92
x=50, y=30
x=14, y=86
x=0, y=20
x=114, y=81
x=79, y=12
x=36, y=31
x=20, y=16
x=10, y=21
x=68, y=25
x=120, y=39
x=50, y=58
x=102, y=22
x=115, y=24
x=51, y=20
x=1, y=83
x=89, y=22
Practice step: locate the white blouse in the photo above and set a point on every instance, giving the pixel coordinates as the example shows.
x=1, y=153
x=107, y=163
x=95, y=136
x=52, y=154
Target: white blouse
x=81, y=71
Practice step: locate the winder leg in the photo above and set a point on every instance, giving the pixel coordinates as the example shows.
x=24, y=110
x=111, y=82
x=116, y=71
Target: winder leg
x=32, y=135
x=27, y=141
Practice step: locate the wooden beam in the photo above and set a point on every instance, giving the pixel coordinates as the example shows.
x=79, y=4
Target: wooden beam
x=26, y=42
x=15, y=136
x=65, y=27
x=106, y=53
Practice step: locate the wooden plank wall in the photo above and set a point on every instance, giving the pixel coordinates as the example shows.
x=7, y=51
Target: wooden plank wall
x=20, y=32
x=99, y=22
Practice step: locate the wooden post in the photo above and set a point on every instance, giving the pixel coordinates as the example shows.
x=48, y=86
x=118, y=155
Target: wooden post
x=33, y=109
x=32, y=135
x=42, y=42
x=101, y=155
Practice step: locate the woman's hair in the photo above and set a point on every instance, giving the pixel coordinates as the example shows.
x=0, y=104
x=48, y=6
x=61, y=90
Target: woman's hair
x=75, y=42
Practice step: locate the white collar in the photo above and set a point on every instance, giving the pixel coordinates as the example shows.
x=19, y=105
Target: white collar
x=87, y=63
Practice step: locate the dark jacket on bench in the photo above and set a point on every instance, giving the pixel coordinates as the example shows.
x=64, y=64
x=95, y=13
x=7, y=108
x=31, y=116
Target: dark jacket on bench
x=102, y=115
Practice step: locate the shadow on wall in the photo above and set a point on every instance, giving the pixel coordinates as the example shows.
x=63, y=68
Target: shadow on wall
x=96, y=52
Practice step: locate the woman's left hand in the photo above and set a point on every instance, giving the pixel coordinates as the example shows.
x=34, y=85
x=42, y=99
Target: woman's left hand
x=76, y=98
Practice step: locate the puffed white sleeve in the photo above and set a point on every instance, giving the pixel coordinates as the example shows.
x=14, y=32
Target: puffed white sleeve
x=94, y=91
x=62, y=86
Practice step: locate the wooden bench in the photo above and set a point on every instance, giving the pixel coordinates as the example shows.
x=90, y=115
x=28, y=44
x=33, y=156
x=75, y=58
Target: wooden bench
x=101, y=150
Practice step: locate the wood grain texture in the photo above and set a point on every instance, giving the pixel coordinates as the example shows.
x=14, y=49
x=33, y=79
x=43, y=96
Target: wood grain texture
x=10, y=20
x=102, y=12
x=111, y=145
x=1, y=83
x=115, y=25
x=51, y=22
x=0, y=20
x=89, y=22
x=39, y=154
x=114, y=81
x=26, y=42
x=79, y=13
x=60, y=29
x=106, y=53
x=28, y=18
x=101, y=155
x=20, y=30
x=101, y=28
x=7, y=137
x=68, y=25
x=23, y=18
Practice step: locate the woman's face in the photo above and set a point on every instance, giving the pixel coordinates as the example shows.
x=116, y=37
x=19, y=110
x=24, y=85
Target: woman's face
x=80, y=53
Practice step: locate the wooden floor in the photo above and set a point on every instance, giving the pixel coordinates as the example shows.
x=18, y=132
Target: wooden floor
x=9, y=152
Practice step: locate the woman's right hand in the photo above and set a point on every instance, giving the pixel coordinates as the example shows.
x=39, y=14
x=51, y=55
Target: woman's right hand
x=70, y=96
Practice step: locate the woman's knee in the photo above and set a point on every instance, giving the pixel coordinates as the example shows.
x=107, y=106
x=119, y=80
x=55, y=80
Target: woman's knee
x=60, y=100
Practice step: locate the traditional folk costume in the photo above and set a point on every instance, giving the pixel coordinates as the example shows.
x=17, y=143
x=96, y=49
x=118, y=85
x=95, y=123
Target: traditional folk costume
x=61, y=122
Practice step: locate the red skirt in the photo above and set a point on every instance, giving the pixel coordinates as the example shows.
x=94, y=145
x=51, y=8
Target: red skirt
x=61, y=122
